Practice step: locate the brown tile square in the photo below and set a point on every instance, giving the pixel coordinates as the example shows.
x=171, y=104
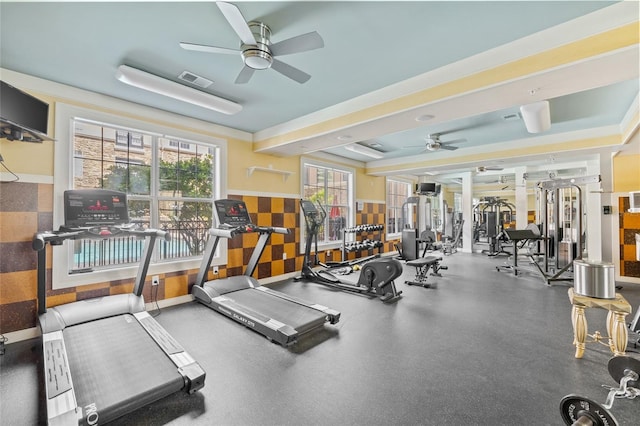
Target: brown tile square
x=290, y=205
x=45, y=221
x=277, y=219
x=276, y=251
x=90, y=294
x=19, y=197
x=264, y=270
x=17, y=256
x=18, y=316
x=264, y=205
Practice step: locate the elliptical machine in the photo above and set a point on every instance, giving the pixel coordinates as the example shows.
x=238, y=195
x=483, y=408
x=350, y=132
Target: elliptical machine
x=376, y=276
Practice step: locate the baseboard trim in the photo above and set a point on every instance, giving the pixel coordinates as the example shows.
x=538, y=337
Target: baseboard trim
x=20, y=335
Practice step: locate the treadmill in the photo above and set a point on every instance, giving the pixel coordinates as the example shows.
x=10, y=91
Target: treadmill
x=105, y=357
x=279, y=317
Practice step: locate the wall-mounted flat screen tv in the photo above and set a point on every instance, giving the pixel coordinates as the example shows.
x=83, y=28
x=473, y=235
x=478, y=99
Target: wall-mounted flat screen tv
x=23, y=110
x=428, y=188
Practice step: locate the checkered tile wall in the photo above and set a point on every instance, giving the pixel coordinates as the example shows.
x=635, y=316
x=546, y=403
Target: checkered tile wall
x=26, y=208
x=629, y=227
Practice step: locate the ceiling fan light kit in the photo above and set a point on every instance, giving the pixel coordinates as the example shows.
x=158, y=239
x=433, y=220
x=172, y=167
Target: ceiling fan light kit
x=536, y=116
x=433, y=145
x=152, y=83
x=258, y=56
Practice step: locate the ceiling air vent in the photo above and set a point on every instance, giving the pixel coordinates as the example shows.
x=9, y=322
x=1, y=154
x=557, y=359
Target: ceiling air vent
x=190, y=77
x=511, y=117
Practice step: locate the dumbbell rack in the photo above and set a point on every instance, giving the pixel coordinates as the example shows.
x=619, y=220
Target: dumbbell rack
x=355, y=245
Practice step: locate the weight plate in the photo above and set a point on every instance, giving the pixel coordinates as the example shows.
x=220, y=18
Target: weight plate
x=573, y=407
x=619, y=366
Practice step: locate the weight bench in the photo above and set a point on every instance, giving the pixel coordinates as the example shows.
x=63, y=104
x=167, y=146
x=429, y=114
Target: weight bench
x=422, y=266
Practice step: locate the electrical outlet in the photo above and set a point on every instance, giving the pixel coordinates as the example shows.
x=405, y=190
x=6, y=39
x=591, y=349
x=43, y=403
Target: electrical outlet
x=284, y=256
x=155, y=280
x=215, y=270
x=328, y=254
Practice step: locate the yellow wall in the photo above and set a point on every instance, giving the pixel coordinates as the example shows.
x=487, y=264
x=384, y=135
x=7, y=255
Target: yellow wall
x=370, y=187
x=241, y=156
x=626, y=173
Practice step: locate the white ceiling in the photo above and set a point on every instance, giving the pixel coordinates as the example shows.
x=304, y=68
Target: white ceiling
x=373, y=52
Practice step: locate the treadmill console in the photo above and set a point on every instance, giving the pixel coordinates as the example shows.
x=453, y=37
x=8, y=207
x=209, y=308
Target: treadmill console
x=232, y=213
x=94, y=208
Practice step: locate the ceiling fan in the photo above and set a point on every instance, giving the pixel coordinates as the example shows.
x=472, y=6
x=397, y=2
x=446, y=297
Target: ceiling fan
x=433, y=143
x=481, y=169
x=256, y=49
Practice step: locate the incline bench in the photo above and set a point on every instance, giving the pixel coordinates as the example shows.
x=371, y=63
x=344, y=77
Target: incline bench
x=422, y=266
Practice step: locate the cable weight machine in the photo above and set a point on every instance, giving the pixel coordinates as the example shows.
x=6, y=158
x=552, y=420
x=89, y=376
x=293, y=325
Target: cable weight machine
x=491, y=214
x=561, y=209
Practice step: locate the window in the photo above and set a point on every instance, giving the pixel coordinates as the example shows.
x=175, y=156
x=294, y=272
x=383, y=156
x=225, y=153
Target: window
x=333, y=189
x=176, y=195
x=397, y=194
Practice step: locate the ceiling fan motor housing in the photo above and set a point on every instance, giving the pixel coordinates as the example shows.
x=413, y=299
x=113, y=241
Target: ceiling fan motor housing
x=433, y=145
x=259, y=56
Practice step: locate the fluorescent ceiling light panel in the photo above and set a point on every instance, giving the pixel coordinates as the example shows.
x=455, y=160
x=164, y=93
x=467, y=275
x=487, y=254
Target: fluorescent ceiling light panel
x=536, y=116
x=361, y=149
x=153, y=83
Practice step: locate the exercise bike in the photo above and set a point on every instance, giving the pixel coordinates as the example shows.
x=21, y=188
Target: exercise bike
x=376, y=277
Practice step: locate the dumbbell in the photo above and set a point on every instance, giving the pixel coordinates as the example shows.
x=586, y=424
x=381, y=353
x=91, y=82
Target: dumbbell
x=626, y=372
x=580, y=411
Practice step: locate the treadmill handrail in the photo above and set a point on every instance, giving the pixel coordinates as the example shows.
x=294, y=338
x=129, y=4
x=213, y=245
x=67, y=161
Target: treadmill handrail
x=40, y=240
x=224, y=232
x=230, y=232
x=58, y=237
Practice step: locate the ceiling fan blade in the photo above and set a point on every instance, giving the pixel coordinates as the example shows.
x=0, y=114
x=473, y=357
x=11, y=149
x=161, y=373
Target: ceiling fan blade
x=454, y=141
x=448, y=147
x=236, y=20
x=301, y=43
x=413, y=146
x=245, y=75
x=208, y=49
x=289, y=71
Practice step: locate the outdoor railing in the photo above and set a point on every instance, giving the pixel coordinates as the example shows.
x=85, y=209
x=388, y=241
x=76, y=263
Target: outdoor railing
x=187, y=240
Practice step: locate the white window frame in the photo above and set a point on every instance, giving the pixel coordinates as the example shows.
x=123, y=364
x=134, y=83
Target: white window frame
x=351, y=201
x=63, y=180
x=395, y=235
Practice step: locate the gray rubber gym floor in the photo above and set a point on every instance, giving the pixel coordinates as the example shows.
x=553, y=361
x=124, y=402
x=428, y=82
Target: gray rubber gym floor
x=482, y=348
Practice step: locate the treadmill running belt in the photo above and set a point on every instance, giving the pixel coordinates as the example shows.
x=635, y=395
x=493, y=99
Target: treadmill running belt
x=116, y=367
x=297, y=316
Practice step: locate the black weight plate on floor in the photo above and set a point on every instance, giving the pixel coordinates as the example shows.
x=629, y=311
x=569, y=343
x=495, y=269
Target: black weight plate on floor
x=572, y=407
x=620, y=365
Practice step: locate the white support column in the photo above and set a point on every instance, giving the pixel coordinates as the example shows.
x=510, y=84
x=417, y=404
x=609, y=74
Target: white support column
x=593, y=206
x=522, y=201
x=467, y=212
